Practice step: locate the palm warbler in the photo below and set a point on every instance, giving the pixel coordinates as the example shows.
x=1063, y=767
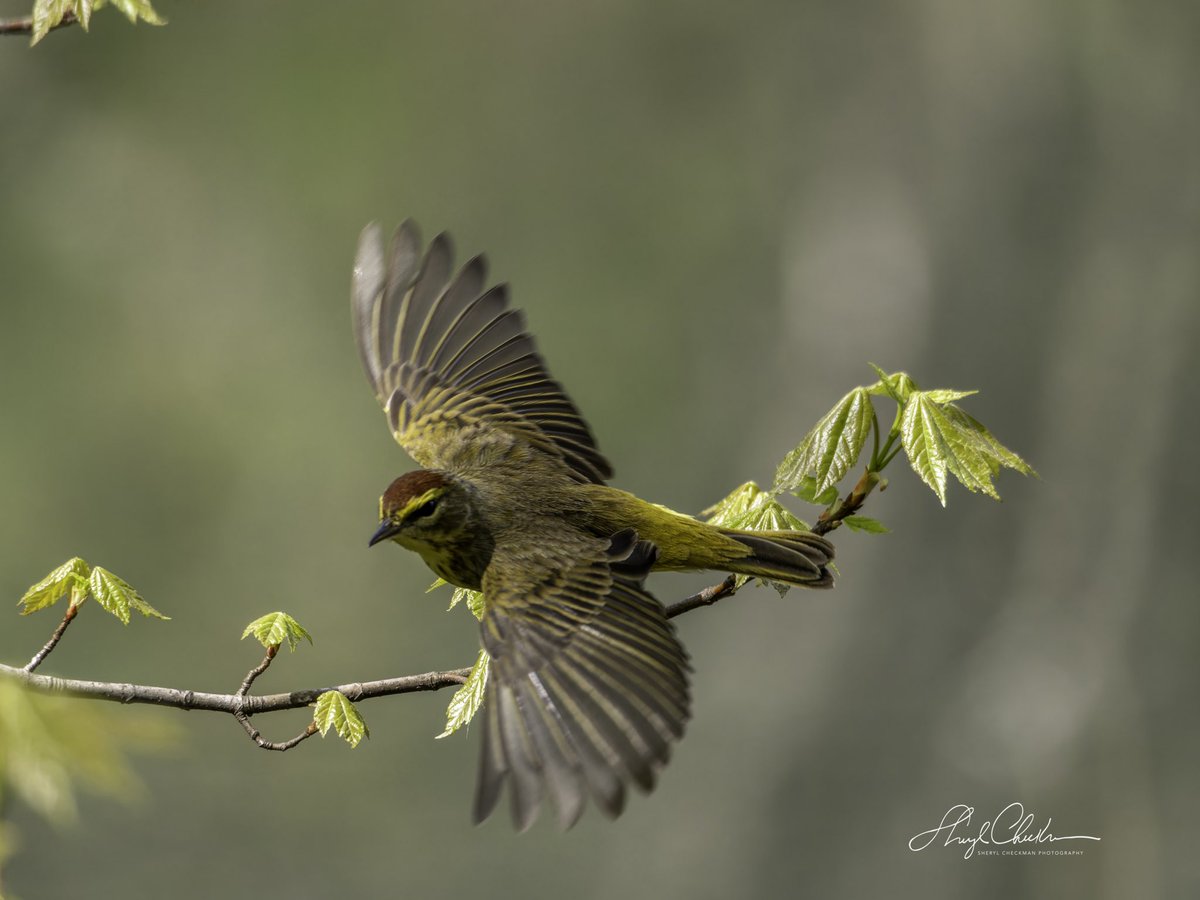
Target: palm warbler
x=588, y=684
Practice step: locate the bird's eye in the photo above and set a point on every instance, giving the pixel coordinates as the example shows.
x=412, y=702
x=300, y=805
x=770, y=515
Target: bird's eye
x=424, y=509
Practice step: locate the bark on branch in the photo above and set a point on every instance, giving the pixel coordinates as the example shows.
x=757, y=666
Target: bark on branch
x=230, y=703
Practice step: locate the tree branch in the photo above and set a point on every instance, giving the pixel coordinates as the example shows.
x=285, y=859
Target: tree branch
x=242, y=705
x=24, y=25
x=706, y=597
x=230, y=703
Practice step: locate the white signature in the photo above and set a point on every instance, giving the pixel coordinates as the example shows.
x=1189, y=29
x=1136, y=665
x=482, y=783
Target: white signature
x=1013, y=826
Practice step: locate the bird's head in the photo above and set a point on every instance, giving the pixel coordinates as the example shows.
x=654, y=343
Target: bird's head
x=422, y=510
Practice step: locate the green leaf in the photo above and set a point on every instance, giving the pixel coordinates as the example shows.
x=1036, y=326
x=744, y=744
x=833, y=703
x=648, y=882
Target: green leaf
x=473, y=599
x=898, y=385
x=118, y=596
x=50, y=745
x=71, y=577
x=865, y=523
x=83, y=10
x=436, y=584
x=922, y=430
x=47, y=14
x=138, y=9
x=986, y=441
x=945, y=395
x=832, y=447
x=335, y=709
x=468, y=698
x=807, y=492
x=274, y=628
x=939, y=438
x=750, y=508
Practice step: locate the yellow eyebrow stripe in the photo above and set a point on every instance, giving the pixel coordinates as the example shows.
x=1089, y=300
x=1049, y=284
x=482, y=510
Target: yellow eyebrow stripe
x=417, y=503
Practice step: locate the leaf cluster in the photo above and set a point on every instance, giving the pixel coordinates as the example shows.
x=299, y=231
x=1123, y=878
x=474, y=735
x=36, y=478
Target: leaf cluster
x=937, y=436
x=274, y=628
x=48, y=14
x=79, y=581
x=75, y=578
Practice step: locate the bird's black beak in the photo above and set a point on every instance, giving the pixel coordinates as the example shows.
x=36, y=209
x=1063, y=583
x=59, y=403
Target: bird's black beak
x=386, y=530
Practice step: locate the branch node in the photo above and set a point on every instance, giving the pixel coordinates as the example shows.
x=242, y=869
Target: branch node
x=851, y=504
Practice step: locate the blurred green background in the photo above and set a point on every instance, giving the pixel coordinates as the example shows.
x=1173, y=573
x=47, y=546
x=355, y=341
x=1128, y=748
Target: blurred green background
x=714, y=215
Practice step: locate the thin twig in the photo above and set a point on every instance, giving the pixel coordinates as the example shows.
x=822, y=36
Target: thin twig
x=850, y=504
x=244, y=721
x=706, y=597
x=253, y=674
x=40, y=656
x=24, y=25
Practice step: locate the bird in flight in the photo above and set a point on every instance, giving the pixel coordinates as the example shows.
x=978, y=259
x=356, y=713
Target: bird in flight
x=588, y=682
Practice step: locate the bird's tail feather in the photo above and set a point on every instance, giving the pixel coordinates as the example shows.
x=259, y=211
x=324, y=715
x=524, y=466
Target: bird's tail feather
x=793, y=557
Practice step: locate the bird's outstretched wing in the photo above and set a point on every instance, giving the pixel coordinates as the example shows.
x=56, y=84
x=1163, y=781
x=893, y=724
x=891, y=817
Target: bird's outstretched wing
x=588, y=684
x=447, y=358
